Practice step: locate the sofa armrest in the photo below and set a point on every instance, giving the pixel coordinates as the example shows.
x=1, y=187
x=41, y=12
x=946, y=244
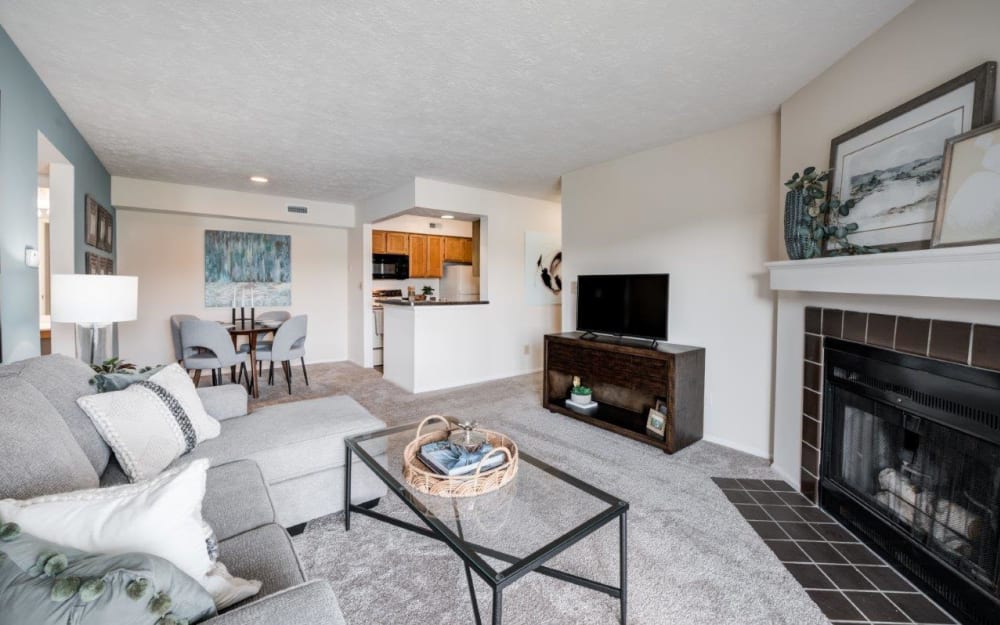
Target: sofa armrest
x=224, y=402
x=311, y=603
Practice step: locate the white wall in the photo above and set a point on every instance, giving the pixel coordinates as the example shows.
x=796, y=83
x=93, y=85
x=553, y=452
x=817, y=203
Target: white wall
x=182, y=198
x=701, y=210
x=418, y=224
x=509, y=323
x=926, y=45
x=167, y=252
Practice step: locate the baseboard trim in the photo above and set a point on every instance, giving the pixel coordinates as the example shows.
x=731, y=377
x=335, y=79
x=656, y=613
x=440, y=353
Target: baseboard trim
x=785, y=475
x=480, y=380
x=753, y=451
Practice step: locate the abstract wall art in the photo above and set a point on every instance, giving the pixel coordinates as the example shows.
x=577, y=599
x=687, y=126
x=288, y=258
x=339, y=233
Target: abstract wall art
x=247, y=269
x=542, y=268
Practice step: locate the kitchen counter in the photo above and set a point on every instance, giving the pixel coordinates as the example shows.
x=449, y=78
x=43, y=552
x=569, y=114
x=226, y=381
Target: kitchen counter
x=402, y=302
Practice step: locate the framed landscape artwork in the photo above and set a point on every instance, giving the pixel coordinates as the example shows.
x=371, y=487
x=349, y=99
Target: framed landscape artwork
x=891, y=166
x=247, y=269
x=90, y=218
x=968, y=209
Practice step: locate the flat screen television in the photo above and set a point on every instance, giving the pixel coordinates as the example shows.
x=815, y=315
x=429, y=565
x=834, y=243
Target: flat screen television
x=624, y=305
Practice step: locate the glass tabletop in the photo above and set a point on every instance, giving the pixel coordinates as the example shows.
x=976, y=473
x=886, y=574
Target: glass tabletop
x=539, y=512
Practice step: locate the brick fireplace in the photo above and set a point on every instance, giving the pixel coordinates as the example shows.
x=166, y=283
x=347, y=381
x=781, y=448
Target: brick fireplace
x=974, y=345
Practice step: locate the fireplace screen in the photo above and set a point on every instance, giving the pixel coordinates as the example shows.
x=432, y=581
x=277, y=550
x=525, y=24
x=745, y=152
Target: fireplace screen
x=911, y=462
x=938, y=485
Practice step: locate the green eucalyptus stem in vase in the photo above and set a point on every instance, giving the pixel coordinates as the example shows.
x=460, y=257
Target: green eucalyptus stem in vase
x=821, y=224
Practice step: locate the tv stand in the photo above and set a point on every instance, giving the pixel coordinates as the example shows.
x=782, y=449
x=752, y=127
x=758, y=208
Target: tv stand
x=588, y=335
x=626, y=381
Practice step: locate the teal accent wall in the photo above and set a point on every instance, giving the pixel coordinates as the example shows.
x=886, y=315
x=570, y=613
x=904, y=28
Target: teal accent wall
x=27, y=107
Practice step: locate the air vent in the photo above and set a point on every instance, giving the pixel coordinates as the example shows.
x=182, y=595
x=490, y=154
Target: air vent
x=302, y=210
x=434, y=225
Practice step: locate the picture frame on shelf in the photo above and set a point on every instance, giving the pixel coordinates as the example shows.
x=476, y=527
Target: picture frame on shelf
x=968, y=208
x=891, y=166
x=91, y=216
x=656, y=422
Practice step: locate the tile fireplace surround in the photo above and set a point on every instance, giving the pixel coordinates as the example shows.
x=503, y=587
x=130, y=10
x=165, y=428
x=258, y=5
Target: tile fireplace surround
x=975, y=345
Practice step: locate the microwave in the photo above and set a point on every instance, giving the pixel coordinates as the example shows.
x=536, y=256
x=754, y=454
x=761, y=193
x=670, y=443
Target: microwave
x=390, y=266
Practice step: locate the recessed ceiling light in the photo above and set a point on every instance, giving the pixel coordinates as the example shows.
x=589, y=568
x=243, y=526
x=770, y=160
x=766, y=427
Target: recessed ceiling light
x=259, y=179
x=447, y=216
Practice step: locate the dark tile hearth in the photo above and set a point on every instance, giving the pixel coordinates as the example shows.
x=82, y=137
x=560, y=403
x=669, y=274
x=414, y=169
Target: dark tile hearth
x=846, y=579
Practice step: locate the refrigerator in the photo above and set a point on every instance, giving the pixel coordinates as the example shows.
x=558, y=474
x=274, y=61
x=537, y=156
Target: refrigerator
x=458, y=284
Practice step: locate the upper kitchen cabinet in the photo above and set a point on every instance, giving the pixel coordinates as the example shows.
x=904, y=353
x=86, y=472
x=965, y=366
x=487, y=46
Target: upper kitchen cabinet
x=418, y=255
x=457, y=250
x=378, y=241
x=435, y=257
x=396, y=243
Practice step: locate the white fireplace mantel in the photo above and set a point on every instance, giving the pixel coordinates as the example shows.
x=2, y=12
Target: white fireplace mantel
x=950, y=272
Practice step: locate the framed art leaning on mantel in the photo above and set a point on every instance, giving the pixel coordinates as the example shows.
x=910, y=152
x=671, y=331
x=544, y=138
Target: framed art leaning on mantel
x=891, y=165
x=968, y=209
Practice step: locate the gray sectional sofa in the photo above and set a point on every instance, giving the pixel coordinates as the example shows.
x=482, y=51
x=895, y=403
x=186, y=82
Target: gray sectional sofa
x=273, y=468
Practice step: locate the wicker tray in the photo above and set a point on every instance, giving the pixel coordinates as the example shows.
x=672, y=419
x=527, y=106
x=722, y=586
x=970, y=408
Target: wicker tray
x=422, y=479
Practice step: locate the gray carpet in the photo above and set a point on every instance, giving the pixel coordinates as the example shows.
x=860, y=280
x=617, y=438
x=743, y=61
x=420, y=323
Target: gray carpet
x=693, y=560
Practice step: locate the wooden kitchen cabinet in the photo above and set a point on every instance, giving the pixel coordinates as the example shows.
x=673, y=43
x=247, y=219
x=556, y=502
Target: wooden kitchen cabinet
x=378, y=241
x=418, y=255
x=457, y=250
x=397, y=243
x=466, y=250
x=435, y=257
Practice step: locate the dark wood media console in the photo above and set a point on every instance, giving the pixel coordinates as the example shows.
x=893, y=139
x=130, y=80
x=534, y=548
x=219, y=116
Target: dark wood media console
x=627, y=377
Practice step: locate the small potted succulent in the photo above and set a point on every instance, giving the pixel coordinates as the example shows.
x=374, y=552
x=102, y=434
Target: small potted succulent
x=580, y=394
x=428, y=291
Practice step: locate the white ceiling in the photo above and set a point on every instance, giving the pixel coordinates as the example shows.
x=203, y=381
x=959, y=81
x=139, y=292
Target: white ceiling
x=340, y=100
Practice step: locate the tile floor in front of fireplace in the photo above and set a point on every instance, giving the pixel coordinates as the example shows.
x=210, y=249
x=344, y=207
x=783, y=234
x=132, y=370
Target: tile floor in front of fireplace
x=846, y=579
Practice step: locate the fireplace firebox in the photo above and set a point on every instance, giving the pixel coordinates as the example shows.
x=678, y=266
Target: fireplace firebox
x=911, y=463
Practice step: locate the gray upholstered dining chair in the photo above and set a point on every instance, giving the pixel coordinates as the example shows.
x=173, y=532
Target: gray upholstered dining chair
x=175, y=333
x=211, y=348
x=289, y=344
x=280, y=316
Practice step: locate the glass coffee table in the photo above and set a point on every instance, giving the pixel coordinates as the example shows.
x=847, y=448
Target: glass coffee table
x=523, y=525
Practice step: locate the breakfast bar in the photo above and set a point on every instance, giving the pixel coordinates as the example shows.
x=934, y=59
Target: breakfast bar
x=431, y=345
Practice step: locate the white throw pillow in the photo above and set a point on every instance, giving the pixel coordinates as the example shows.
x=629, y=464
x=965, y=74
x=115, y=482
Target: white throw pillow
x=161, y=517
x=151, y=423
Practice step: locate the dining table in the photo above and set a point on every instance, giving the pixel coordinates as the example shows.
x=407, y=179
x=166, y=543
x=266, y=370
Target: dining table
x=252, y=330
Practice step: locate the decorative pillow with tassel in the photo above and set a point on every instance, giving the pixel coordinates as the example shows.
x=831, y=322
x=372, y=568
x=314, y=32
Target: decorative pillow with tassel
x=45, y=584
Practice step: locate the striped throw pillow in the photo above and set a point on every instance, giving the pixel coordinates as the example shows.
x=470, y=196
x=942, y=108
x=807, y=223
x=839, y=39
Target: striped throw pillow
x=151, y=423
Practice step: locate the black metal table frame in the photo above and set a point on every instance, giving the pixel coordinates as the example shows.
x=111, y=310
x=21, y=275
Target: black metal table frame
x=471, y=553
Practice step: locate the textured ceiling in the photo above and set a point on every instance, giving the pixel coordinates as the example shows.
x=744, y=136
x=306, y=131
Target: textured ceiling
x=338, y=100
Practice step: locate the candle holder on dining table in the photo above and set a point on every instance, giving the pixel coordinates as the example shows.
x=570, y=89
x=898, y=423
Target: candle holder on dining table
x=242, y=290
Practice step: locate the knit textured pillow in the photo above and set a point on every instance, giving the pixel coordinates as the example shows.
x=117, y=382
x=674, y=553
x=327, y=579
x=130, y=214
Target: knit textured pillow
x=151, y=423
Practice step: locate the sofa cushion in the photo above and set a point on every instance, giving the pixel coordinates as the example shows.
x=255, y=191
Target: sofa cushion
x=264, y=554
x=225, y=401
x=38, y=453
x=290, y=440
x=63, y=380
x=308, y=604
x=236, y=499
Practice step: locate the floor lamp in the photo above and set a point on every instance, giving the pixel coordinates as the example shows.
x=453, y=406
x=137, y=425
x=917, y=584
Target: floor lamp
x=93, y=302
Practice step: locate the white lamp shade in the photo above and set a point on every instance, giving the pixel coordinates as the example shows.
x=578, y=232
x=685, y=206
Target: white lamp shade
x=78, y=298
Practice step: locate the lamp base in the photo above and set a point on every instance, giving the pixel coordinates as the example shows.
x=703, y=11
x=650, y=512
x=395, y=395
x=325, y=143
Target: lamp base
x=94, y=342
